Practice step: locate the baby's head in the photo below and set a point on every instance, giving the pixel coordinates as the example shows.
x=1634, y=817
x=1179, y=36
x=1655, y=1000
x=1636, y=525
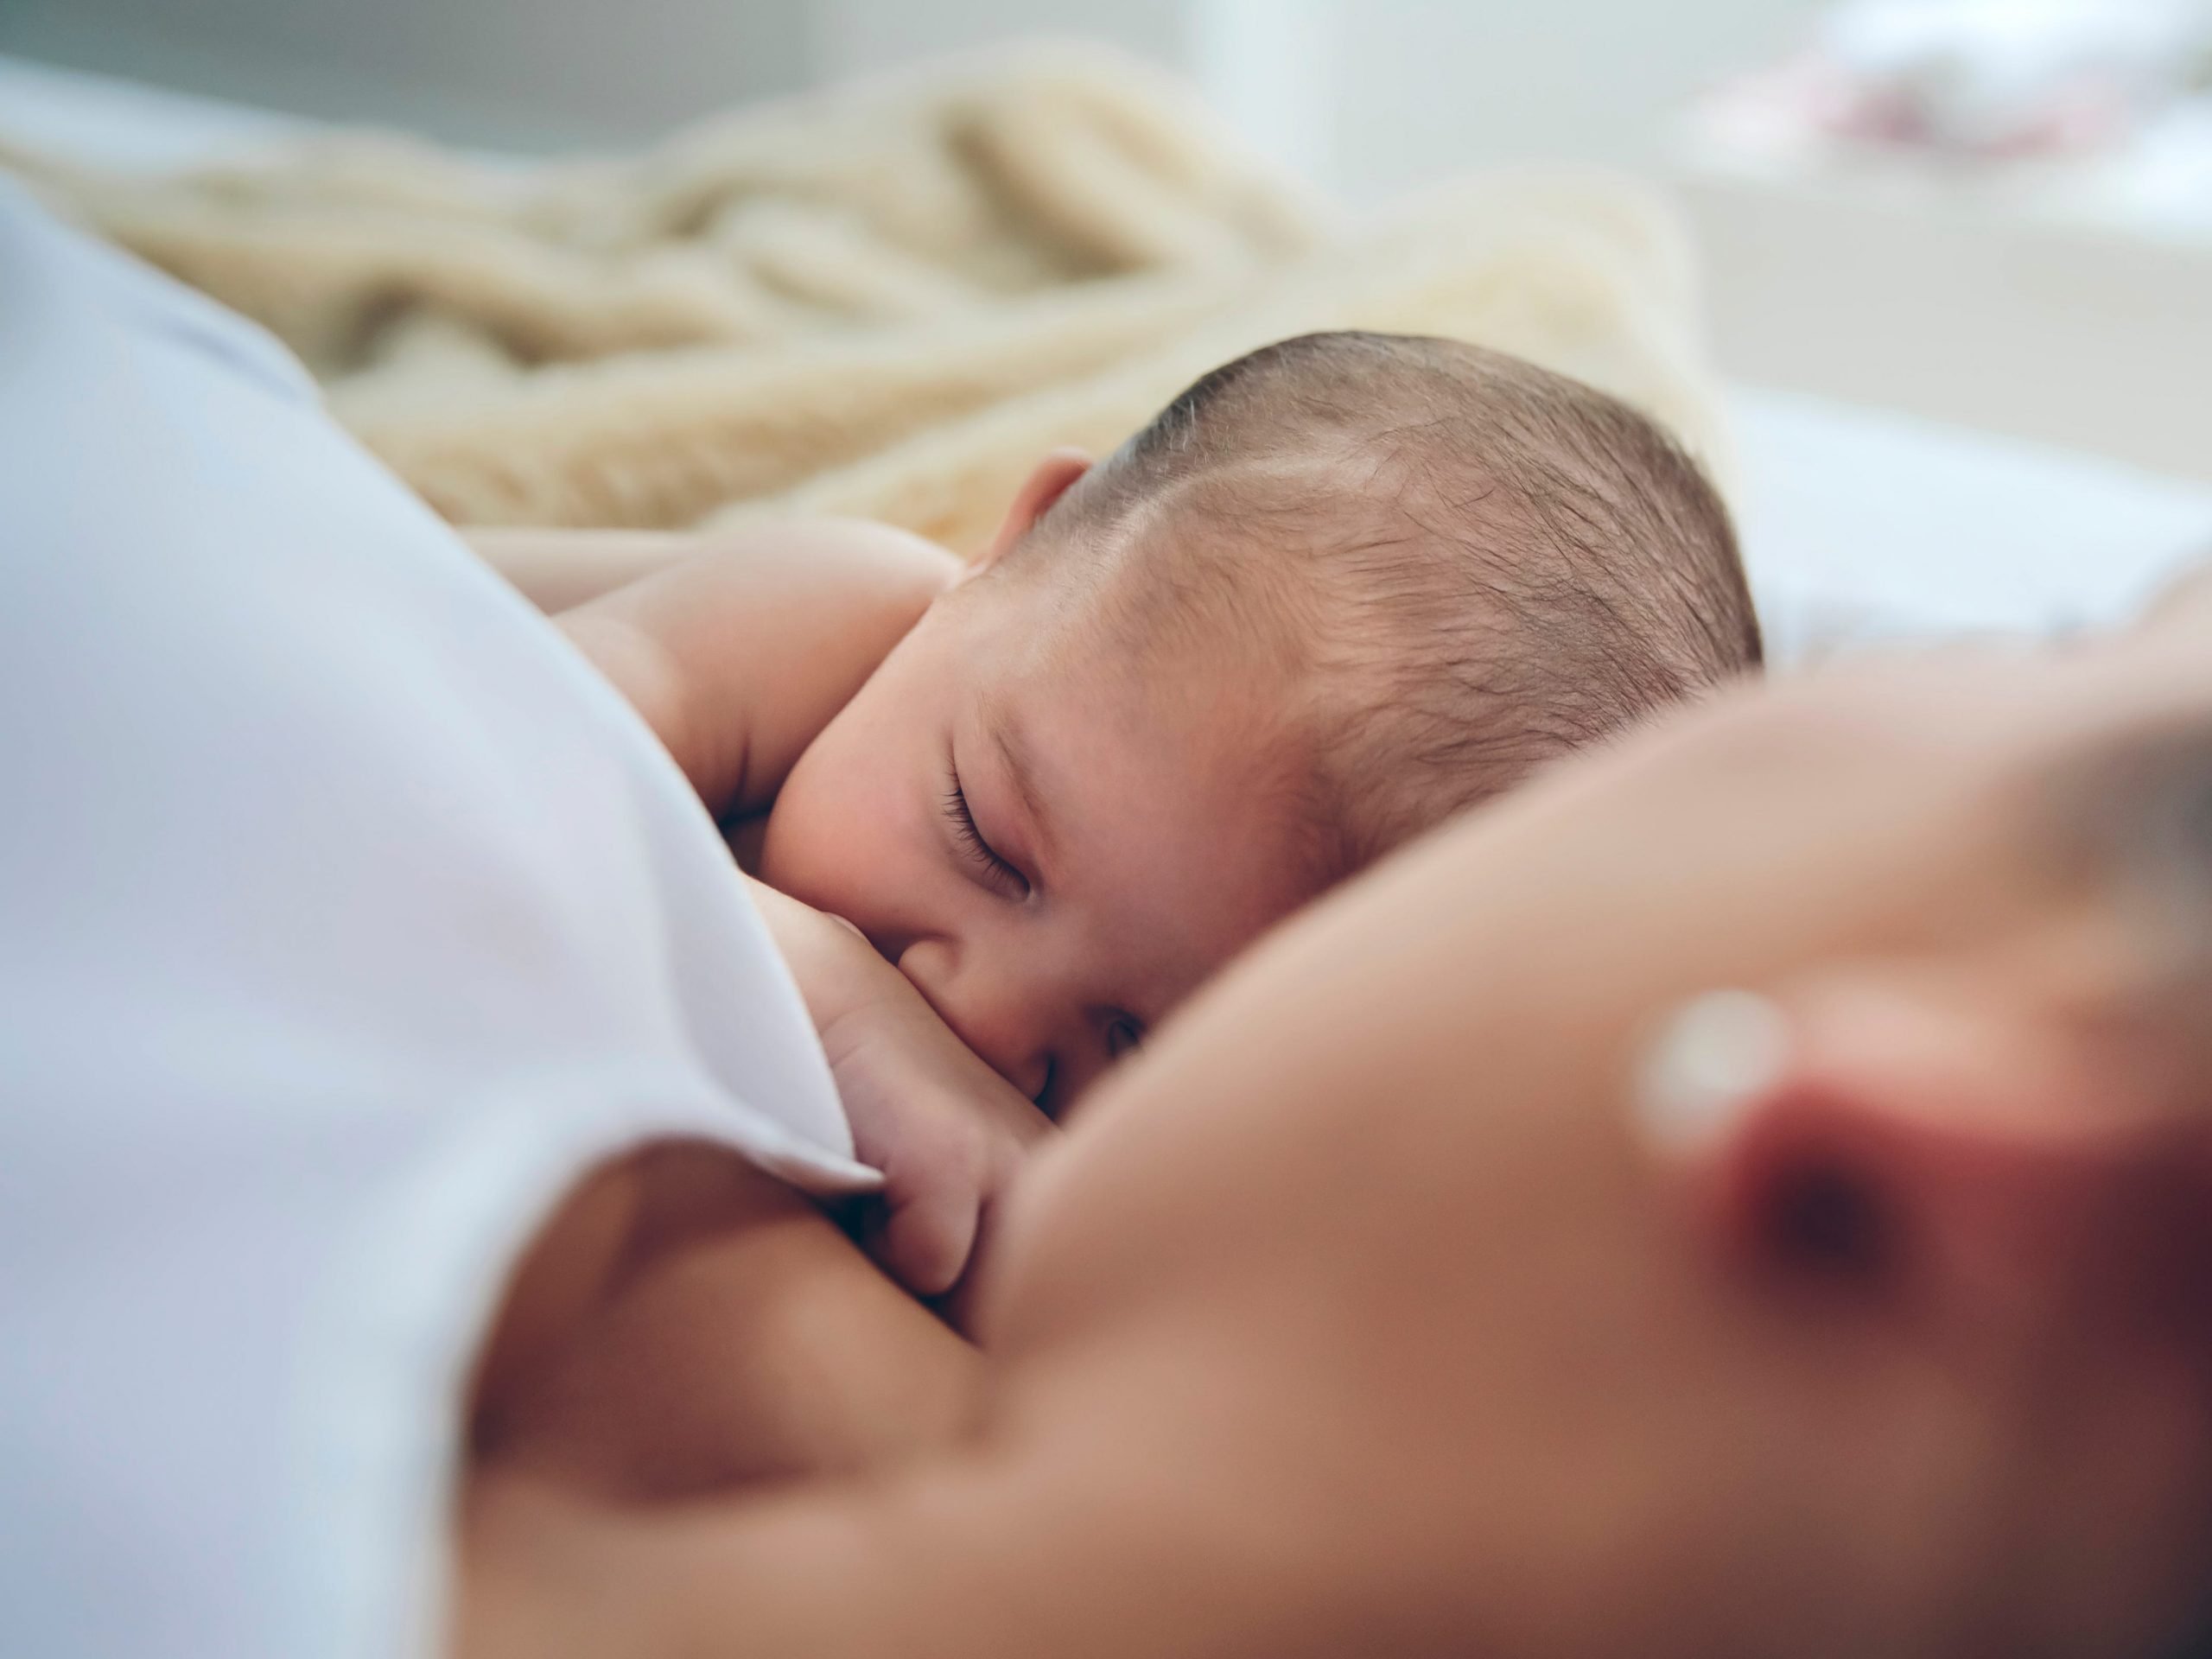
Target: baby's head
x=1336, y=592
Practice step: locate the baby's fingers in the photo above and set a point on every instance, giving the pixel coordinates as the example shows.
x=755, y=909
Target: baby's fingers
x=922, y=1239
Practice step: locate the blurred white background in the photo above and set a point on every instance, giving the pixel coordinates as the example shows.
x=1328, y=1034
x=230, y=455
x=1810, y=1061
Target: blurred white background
x=2047, y=313
x=1368, y=93
x=1959, y=276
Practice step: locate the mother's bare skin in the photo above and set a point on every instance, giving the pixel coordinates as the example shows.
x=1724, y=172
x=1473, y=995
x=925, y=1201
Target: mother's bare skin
x=1358, y=1317
x=688, y=1326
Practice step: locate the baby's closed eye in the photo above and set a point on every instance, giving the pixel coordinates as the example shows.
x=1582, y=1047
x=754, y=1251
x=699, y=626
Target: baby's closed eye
x=996, y=872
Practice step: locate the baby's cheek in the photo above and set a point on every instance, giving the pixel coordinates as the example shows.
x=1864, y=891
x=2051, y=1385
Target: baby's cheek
x=826, y=839
x=790, y=859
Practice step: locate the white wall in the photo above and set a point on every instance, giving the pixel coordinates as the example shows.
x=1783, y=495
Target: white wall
x=858, y=36
x=516, y=73
x=1428, y=85
x=1366, y=94
x=1372, y=95
x=532, y=74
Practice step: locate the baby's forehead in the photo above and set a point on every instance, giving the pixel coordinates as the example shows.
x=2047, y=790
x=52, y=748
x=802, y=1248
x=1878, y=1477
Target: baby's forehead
x=1221, y=583
x=1108, y=664
x=1107, y=674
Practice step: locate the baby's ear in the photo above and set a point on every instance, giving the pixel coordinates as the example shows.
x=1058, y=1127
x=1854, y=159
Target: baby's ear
x=1048, y=482
x=1955, y=1153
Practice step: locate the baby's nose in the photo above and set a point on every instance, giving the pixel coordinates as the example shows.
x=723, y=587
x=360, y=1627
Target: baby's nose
x=994, y=1013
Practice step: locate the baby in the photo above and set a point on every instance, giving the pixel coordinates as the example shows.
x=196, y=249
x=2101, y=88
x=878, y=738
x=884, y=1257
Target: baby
x=1337, y=591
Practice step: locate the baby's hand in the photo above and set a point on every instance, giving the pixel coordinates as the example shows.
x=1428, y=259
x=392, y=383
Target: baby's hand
x=946, y=1130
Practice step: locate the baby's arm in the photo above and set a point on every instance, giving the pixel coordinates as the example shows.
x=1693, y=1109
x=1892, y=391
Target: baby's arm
x=559, y=569
x=737, y=647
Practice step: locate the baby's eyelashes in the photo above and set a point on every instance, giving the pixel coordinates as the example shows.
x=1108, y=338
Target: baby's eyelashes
x=999, y=873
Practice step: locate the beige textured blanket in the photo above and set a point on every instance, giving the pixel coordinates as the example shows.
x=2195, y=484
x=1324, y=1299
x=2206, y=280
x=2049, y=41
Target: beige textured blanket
x=888, y=301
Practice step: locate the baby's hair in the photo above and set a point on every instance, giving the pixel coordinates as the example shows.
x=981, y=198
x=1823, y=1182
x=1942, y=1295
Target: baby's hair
x=1464, y=565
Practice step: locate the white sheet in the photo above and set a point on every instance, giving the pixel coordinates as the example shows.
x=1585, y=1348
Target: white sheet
x=1863, y=525
x=1859, y=524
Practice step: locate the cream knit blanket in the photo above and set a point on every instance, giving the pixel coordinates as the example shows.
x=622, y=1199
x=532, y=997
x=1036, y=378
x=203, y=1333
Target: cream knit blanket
x=887, y=300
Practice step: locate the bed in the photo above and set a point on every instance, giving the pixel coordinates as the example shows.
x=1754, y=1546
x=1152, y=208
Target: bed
x=1859, y=525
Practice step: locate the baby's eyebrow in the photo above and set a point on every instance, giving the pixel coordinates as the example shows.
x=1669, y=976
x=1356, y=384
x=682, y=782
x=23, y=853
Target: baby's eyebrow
x=1013, y=751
